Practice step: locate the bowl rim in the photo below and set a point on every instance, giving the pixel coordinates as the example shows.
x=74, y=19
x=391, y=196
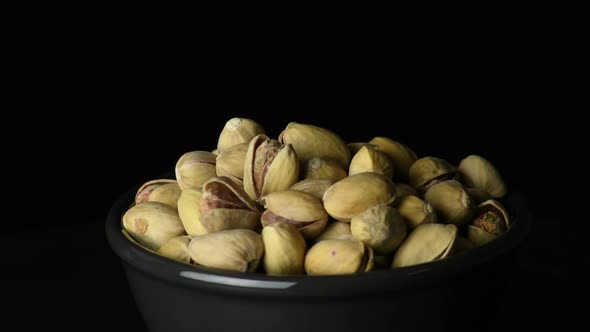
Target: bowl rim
x=258, y=284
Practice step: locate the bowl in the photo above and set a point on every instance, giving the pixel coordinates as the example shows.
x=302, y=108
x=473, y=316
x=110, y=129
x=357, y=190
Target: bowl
x=461, y=291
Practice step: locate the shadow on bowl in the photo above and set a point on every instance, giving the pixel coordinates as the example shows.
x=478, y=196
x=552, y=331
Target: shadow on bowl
x=459, y=292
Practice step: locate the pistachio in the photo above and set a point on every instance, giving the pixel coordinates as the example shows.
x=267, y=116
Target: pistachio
x=316, y=187
x=401, y=155
x=177, y=249
x=356, y=146
x=369, y=159
x=189, y=204
x=428, y=171
x=284, y=249
x=164, y=191
x=356, y=193
x=451, y=202
x=491, y=221
x=319, y=168
x=335, y=230
x=380, y=227
x=416, y=211
x=426, y=243
x=237, y=250
x=477, y=172
x=269, y=166
x=338, y=256
x=230, y=163
x=194, y=168
x=152, y=224
x=237, y=131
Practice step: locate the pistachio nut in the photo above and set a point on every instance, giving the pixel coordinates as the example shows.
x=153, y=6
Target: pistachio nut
x=194, y=168
x=237, y=250
x=160, y=190
x=356, y=193
x=416, y=211
x=152, y=224
x=269, y=166
x=177, y=249
x=356, y=146
x=401, y=155
x=284, y=249
x=316, y=187
x=479, y=195
x=189, y=204
x=491, y=221
x=451, y=202
x=428, y=171
x=237, y=131
x=338, y=256
x=301, y=209
x=426, y=243
x=319, y=168
x=224, y=205
x=478, y=172
x=380, y=227
x=335, y=230
x=369, y=159
x=310, y=141
x=230, y=163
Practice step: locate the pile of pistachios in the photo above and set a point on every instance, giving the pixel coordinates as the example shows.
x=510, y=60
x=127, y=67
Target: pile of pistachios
x=309, y=203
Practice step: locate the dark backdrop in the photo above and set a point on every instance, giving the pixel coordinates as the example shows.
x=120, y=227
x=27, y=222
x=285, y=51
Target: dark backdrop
x=502, y=79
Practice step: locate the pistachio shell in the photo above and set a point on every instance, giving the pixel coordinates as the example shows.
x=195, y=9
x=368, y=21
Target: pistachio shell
x=301, y=209
x=426, y=243
x=335, y=230
x=402, y=190
x=315, y=187
x=478, y=236
x=338, y=256
x=284, y=249
x=402, y=156
x=144, y=193
x=491, y=221
x=356, y=146
x=152, y=224
x=189, y=203
x=311, y=141
x=427, y=171
x=478, y=172
x=176, y=249
x=319, y=168
x=269, y=167
x=369, y=159
x=230, y=163
x=356, y=193
x=416, y=211
x=380, y=227
x=232, y=250
x=194, y=168
x=451, y=202
x=237, y=131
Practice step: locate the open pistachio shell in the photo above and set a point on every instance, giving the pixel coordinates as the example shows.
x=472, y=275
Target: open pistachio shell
x=380, y=227
x=356, y=193
x=301, y=209
x=426, y=243
x=230, y=163
x=176, y=249
x=428, y=171
x=269, y=166
x=310, y=141
x=316, y=187
x=284, y=249
x=401, y=155
x=491, y=220
x=164, y=191
x=319, y=168
x=478, y=172
x=369, y=159
x=338, y=256
x=238, y=250
x=335, y=230
x=416, y=211
x=451, y=202
x=224, y=205
x=152, y=224
x=237, y=131
x=194, y=168
x=189, y=204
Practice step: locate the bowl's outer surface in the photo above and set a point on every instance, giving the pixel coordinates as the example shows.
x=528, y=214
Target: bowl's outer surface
x=458, y=292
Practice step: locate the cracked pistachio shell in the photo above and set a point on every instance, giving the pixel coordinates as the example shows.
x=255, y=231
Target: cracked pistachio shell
x=491, y=220
x=176, y=249
x=189, y=204
x=152, y=224
x=237, y=250
x=315, y=187
x=237, y=131
x=478, y=172
x=451, y=202
x=319, y=168
x=380, y=227
x=356, y=146
x=428, y=171
x=284, y=249
x=164, y=191
x=224, y=205
x=194, y=168
x=426, y=243
x=416, y=211
x=301, y=209
x=269, y=166
x=335, y=230
x=338, y=256
x=369, y=159
x=401, y=155
x=356, y=193
x=230, y=163
x=310, y=141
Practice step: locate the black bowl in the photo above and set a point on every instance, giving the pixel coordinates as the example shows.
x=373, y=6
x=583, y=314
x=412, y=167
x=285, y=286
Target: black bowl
x=462, y=291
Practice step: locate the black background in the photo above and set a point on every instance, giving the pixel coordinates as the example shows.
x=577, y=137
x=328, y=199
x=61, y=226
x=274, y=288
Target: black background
x=506, y=80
